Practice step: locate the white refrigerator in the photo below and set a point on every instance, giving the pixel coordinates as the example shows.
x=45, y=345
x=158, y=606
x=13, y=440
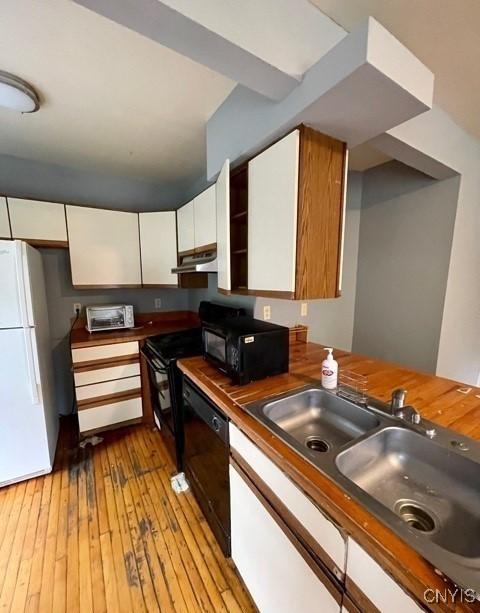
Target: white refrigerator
x=28, y=417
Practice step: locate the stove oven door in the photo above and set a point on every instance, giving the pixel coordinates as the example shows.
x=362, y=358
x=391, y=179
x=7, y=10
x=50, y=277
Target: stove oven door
x=160, y=376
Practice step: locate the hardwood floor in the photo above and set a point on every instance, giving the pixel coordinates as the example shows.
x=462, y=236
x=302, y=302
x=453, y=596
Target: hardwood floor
x=105, y=532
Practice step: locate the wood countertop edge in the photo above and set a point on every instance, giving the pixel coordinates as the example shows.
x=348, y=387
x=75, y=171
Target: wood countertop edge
x=81, y=338
x=397, y=558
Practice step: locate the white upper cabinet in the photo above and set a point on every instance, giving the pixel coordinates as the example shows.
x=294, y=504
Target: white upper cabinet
x=158, y=240
x=38, y=221
x=223, y=227
x=185, y=228
x=104, y=247
x=205, y=218
x=4, y=224
x=272, y=216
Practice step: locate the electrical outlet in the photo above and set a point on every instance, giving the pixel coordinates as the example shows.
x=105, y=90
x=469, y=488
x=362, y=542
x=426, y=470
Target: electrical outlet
x=158, y=303
x=267, y=312
x=77, y=308
x=304, y=309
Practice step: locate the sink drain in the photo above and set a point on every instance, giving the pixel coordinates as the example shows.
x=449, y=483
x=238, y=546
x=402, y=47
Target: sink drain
x=317, y=444
x=416, y=517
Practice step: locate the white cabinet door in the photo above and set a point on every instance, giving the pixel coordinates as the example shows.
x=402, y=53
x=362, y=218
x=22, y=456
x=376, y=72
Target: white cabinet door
x=4, y=223
x=37, y=220
x=186, y=234
x=223, y=227
x=275, y=573
x=374, y=582
x=104, y=247
x=321, y=528
x=205, y=217
x=272, y=216
x=158, y=241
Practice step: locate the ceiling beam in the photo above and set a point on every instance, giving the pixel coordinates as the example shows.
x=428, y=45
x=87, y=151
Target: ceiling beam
x=171, y=28
x=365, y=85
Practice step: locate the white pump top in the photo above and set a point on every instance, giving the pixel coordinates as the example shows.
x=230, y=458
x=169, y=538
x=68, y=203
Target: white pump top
x=330, y=353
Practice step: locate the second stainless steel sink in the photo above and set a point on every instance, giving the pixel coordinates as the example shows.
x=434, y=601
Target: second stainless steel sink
x=434, y=490
x=319, y=420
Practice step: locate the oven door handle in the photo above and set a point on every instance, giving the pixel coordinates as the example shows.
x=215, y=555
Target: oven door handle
x=154, y=363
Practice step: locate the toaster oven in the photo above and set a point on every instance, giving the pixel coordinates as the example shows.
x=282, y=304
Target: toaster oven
x=109, y=317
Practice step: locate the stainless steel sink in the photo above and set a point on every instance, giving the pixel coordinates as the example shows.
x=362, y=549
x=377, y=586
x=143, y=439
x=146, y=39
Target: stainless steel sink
x=434, y=490
x=426, y=490
x=319, y=420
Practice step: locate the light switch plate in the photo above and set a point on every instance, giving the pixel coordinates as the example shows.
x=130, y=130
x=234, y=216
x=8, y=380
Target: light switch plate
x=304, y=309
x=267, y=312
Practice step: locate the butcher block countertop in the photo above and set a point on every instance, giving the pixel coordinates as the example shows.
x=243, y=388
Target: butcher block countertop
x=443, y=401
x=146, y=324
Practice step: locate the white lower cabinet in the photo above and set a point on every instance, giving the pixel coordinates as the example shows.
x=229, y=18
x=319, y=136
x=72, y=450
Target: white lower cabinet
x=380, y=589
x=277, y=576
x=293, y=557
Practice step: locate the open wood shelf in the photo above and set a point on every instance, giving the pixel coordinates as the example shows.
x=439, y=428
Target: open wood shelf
x=239, y=227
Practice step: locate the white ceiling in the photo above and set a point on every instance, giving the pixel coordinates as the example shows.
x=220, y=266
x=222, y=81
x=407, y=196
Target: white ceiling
x=443, y=34
x=112, y=100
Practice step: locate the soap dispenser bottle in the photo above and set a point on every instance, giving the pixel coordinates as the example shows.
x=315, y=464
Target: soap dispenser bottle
x=329, y=370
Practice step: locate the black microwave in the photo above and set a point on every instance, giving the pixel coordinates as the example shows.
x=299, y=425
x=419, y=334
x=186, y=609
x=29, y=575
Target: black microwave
x=246, y=349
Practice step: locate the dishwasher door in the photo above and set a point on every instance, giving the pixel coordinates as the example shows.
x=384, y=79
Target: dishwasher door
x=207, y=459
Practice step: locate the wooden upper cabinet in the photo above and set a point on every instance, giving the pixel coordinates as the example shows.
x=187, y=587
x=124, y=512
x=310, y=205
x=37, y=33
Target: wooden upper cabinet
x=40, y=223
x=205, y=218
x=185, y=228
x=4, y=223
x=104, y=247
x=158, y=241
x=295, y=217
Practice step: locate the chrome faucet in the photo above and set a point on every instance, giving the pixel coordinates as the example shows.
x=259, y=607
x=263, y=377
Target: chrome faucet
x=398, y=408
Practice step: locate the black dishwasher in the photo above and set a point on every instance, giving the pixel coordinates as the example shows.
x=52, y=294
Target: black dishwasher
x=206, y=460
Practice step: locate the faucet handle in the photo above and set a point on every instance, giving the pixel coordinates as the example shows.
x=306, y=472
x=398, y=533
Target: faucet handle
x=398, y=398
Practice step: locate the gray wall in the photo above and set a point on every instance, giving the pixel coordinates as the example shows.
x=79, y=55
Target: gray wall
x=30, y=179
x=195, y=296
x=61, y=296
x=406, y=231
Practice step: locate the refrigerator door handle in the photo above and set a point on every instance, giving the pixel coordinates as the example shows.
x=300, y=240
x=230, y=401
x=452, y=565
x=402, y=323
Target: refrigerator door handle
x=32, y=367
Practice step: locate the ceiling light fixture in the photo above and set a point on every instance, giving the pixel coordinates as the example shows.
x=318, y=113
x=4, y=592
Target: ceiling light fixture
x=17, y=94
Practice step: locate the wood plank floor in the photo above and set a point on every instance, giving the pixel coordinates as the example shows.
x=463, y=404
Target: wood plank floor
x=105, y=532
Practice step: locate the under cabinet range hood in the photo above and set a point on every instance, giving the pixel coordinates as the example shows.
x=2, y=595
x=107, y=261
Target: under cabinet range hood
x=205, y=261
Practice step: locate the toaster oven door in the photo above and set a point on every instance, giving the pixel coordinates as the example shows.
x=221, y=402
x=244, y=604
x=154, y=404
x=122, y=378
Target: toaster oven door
x=106, y=318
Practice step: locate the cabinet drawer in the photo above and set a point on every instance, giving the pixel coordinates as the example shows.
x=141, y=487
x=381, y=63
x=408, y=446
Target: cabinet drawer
x=96, y=390
x=105, y=352
x=108, y=414
x=321, y=529
x=99, y=375
x=370, y=580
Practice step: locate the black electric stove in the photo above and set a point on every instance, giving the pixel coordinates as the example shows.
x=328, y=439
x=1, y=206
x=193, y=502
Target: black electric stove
x=162, y=353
